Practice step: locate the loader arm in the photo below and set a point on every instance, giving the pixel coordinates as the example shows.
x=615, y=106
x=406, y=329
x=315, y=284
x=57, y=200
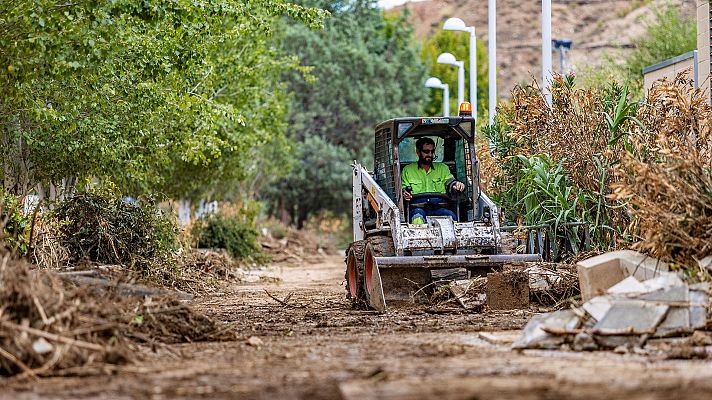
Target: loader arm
x=387, y=212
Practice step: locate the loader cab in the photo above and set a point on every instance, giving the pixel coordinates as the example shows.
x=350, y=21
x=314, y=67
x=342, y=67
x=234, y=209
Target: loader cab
x=454, y=139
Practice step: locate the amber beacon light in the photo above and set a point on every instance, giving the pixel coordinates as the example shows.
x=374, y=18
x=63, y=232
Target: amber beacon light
x=465, y=109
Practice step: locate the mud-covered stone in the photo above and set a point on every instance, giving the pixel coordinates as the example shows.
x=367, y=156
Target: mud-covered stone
x=508, y=290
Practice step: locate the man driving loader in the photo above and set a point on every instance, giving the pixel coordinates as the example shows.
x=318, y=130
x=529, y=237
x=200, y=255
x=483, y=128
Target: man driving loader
x=428, y=177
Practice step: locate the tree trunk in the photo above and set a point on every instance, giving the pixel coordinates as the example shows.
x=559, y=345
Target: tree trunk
x=17, y=166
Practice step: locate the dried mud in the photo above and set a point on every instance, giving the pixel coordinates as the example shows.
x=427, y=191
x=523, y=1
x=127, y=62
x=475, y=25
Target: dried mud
x=299, y=339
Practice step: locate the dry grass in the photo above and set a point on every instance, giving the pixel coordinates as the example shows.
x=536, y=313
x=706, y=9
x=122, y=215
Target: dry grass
x=46, y=251
x=573, y=130
x=51, y=326
x=667, y=177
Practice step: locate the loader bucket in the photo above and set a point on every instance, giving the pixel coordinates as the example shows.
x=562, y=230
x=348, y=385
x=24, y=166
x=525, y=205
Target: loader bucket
x=403, y=279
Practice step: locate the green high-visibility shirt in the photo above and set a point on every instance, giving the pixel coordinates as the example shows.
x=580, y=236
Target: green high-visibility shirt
x=432, y=181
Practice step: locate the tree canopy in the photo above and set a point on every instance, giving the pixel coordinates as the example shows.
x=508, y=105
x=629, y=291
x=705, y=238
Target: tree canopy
x=367, y=70
x=363, y=69
x=147, y=94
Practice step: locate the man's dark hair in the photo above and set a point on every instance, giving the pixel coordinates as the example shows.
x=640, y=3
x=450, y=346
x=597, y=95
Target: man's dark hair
x=422, y=142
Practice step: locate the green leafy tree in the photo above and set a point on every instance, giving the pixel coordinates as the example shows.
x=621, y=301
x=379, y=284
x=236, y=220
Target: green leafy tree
x=148, y=94
x=668, y=35
x=320, y=179
x=366, y=70
x=361, y=69
x=457, y=43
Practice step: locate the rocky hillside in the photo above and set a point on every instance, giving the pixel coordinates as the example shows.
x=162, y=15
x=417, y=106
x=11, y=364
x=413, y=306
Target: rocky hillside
x=596, y=27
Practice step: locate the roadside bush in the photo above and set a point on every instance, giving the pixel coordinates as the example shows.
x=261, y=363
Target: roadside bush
x=107, y=230
x=16, y=224
x=666, y=177
x=234, y=232
x=571, y=148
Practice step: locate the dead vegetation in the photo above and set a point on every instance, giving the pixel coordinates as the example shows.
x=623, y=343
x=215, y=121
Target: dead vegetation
x=285, y=244
x=50, y=325
x=666, y=178
x=553, y=285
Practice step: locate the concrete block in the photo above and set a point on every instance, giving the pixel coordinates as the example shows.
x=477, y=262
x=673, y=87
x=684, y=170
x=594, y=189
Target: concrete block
x=534, y=337
x=598, y=274
x=508, y=290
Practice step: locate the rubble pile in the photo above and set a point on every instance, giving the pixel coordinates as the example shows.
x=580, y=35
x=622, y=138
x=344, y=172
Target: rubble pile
x=647, y=302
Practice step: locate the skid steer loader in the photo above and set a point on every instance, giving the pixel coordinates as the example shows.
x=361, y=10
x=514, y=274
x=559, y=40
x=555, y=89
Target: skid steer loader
x=392, y=260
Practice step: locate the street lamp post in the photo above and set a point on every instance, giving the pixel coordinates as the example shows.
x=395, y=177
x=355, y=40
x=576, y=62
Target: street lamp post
x=546, y=49
x=456, y=24
x=449, y=59
x=492, y=57
x=435, y=83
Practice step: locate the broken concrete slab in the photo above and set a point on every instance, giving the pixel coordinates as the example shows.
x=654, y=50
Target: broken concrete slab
x=678, y=295
x=598, y=306
x=534, y=335
x=699, y=304
x=598, y=274
x=508, y=290
x=631, y=317
x=628, y=286
x=663, y=281
x=630, y=310
x=676, y=322
x=629, y=323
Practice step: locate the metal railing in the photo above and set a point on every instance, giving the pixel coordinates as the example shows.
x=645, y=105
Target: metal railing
x=540, y=239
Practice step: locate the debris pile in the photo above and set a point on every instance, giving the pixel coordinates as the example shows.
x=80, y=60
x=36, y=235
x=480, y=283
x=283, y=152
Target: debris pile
x=465, y=293
x=202, y=270
x=46, y=327
x=628, y=313
x=552, y=284
x=295, y=247
x=52, y=324
x=517, y=286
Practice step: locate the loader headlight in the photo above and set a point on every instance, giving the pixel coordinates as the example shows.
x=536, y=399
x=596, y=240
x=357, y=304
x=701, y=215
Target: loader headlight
x=486, y=214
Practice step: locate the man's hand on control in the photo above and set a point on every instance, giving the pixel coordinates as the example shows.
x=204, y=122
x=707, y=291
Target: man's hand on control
x=407, y=196
x=459, y=186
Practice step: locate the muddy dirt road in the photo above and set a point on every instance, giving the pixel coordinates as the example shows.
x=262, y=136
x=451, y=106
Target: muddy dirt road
x=315, y=347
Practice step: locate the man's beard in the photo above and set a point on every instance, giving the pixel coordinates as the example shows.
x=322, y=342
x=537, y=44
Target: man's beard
x=426, y=160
